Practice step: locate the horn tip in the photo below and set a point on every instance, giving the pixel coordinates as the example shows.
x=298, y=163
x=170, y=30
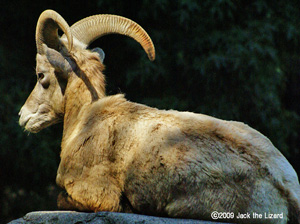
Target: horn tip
x=151, y=54
x=151, y=58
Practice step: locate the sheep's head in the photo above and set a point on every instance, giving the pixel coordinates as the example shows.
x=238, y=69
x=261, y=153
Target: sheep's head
x=56, y=62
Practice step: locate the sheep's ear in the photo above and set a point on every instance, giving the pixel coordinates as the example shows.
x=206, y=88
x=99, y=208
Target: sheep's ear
x=100, y=52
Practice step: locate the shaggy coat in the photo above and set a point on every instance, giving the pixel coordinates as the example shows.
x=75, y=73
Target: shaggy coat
x=122, y=156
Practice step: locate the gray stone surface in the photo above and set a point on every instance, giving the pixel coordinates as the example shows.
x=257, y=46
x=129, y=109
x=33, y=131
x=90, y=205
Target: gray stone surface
x=71, y=217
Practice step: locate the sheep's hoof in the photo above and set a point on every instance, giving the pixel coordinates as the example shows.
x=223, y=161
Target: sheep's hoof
x=65, y=202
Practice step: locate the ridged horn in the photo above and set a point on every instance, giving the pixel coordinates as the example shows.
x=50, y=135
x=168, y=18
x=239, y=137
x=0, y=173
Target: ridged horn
x=89, y=29
x=47, y=31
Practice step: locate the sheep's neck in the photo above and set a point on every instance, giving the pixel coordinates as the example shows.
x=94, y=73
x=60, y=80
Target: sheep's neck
x=80, y=92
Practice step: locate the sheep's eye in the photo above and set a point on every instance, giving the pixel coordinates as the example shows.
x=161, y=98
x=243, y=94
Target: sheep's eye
x=41, y=76
x=43, y=79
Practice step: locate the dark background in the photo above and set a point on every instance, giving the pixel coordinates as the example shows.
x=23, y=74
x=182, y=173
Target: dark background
x=232, y=59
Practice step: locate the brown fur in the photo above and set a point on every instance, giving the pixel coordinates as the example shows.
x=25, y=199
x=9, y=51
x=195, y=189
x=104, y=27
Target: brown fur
x=121, y=156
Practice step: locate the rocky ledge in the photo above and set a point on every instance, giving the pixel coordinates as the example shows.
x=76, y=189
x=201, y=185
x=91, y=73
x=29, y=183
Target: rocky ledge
x=71, y=217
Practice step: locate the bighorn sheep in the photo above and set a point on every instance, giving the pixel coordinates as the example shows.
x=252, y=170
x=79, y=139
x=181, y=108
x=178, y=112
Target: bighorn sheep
x=122, y=156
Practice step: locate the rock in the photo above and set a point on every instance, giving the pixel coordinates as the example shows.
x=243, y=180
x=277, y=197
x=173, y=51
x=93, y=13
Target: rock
x=71, y=217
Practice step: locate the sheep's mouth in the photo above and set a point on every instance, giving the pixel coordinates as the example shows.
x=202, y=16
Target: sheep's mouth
x=28, y=125
x=36, y=125
x=39, y=119
x=24, y=121
x=36, y=122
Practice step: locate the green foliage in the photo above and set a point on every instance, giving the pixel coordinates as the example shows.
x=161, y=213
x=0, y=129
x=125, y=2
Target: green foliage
x=236, y=60
x=225, y=59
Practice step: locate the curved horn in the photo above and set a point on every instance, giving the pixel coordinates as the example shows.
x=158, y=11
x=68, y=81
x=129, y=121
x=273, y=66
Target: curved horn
x=89, y=29
x=46, y=31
